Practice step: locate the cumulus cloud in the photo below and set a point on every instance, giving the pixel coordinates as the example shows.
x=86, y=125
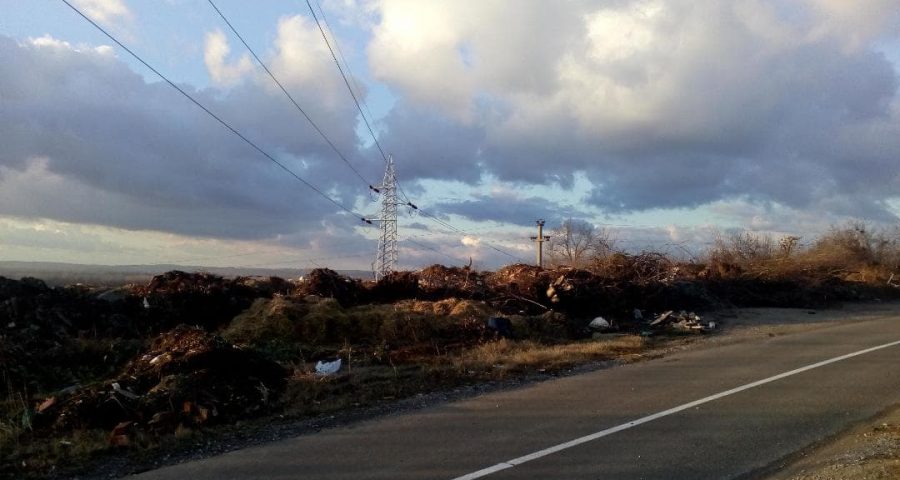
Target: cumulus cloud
x=215, y=53
x=470, y=241
x=764, y=110
x=88, y=140
x=661, y=104
x=106, y=12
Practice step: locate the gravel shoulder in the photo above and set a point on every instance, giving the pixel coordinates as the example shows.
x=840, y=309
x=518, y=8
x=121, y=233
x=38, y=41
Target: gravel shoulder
x=870, y=451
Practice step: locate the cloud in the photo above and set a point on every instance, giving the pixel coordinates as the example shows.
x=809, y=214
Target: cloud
x=470, y=241
x=106, y=12
x=517, y=211
x=784, y=109
x=660, y=104
x=215, y=52
x=88, y=140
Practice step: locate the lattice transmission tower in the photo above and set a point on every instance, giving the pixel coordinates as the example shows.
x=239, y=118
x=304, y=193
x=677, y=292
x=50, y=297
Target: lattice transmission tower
x=386, y=258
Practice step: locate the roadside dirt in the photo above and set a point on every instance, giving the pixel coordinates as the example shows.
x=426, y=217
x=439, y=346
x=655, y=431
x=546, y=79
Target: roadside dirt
x=866, y=452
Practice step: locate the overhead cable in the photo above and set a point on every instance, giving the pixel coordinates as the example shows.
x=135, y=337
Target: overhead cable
x=346, y=81
x=217, y=118
x=291, y=97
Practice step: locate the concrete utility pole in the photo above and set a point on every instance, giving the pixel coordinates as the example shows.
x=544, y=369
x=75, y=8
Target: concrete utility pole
x=539, y=240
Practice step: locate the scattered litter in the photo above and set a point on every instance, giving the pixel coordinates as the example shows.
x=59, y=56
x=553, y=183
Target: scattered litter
x=209, y=377
x=638, y=315
x=681, y=322
x=599, y=324
x=120, y=435
x=328, y=368
x=146, y=303
x=164, y=357
x=501, y=326
x=125, y=393
x=46, y=404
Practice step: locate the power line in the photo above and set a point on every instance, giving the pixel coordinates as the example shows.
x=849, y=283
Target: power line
x=340, y=52
x=291, y=97
x=346, y=82
x=216, y=117
x=463, y=232
x=356, y=101
x=422, y=245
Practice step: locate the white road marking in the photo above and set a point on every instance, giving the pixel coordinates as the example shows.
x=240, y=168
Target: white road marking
x=649, y=418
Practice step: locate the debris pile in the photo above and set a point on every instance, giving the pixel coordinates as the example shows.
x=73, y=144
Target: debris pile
x=265, y=286
x=578, y=292
x=438, y=282
x=324, y=282
x=519, y=289
x=643, y=269
x=203, y=299
x=681, y=322
x=394, y=287
x=50, y=337
x=188, y=377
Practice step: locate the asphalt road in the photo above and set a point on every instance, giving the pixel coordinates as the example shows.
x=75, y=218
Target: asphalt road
x=732, y=436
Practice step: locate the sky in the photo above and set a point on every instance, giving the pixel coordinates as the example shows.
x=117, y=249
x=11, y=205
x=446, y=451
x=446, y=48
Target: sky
x=665, y=122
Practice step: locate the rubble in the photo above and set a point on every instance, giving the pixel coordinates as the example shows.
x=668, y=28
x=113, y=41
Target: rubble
x=642, y=269
x=198, y=298
x=394, y=287
x=438, y=282
x=681, y=322
x=187, y=377
x=327, y=283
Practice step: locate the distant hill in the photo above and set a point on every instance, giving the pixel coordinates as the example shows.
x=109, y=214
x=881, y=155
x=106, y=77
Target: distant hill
x=110, y=275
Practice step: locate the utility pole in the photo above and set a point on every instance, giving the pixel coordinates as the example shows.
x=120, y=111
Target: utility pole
x=386, y=258
x=539, y=240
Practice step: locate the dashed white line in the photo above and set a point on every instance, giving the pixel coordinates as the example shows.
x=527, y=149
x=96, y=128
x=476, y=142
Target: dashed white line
x=649, y=418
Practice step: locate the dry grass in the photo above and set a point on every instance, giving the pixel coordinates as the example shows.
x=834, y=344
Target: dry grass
x=855, y=252
x=517, y=356
x=365, y=383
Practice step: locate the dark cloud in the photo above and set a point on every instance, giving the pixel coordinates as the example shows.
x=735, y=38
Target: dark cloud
x=88, y=140
x=517, y=211
x=706, y=101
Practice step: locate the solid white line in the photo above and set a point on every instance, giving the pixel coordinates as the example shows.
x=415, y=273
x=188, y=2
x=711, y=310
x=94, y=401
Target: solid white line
x=649, y=418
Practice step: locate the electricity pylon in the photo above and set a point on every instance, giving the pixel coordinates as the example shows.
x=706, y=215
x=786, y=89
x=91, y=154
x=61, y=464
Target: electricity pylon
x=386, y=258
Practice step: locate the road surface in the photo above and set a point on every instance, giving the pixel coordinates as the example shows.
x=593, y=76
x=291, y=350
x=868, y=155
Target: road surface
x=722, y=412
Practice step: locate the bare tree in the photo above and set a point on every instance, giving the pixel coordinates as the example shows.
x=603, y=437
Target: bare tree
x=577, y=242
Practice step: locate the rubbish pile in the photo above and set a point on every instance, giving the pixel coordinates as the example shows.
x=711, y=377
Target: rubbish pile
x=643, y=269
x=326, y=283
x=265, y=286
x=203, y=299
x=577, y=291
x=188, y=377
x=519, y=289
x=438, y=282
x=681, y=322
x=393, y=287
x=45, y=332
